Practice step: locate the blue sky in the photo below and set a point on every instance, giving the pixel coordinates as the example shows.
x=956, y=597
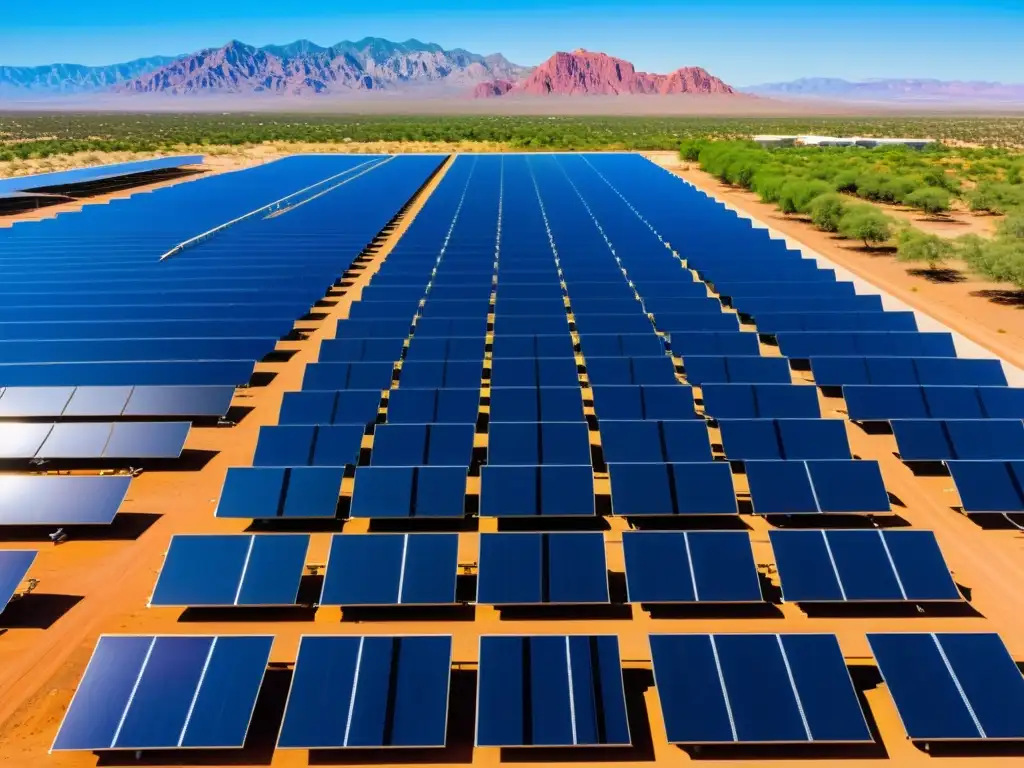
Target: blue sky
x=742, y=41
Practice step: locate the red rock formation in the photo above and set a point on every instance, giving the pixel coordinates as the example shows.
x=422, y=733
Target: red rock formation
x=492, y=88
x=586, y=73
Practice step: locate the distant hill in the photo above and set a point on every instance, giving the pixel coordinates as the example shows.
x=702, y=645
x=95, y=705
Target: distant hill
x=586, y=73
x=297, y=68
x=75, y=78
x=891, y=90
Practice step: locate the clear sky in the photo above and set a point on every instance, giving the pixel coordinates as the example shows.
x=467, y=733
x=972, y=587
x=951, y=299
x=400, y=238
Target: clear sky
x=742, y=41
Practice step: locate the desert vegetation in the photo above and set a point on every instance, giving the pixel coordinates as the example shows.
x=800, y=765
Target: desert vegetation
x=26, y=136
x=845, y=191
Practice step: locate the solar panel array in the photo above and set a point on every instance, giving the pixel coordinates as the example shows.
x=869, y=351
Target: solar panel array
x=531, y=350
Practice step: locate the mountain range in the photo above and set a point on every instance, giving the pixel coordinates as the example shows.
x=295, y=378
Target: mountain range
x=412, y=67
x=891, y=90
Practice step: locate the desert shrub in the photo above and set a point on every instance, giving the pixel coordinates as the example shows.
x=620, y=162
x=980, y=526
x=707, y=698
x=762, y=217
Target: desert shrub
x=936, y=176
x=691, y=149
x=867, y=224
x=796, y=196
x=914, y=245
x=826, y=211
x=767, y=186
x=1012, y=228
x=931, y=200
x=846, y=181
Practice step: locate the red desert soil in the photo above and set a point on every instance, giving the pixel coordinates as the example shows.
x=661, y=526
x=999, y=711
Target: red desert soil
x=991, y=314
x=39, y=669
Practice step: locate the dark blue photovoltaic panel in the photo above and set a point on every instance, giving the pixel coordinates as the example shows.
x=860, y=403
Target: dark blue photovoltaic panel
x=809, y=487
x=655, y=441
x=438, y=374
x=433, y=406
x=344, y=350
x=700, y=370
x=756, y=689
x=336, y=376
x=840, y=371
x=711, y=343
x=166, y=692
x=998, y=402
x=806, y=344
x=376, y=569
x=535, y=568
x=702, y=488
x=989, y=486
x=351, y=406
x=61, y=499
x=363, y=692
x=630, y=403
x=552, y=490
x=675, y=323
x=409, y=492
x=308, y=445
x=799, y=439
x=458, y=348
x=232, y=569
x=760, y=401
x=603, y=371
x=858, y=303
x=96, y=173
x=549, y=442
x=972, y=439
x=291, y=492
x=534, y=372
x=868, y=402
x=409, y=445
x=559, y=345
x=374, y=329
x=780, y=322
x=132, y=350
x=690, y=566
x=861, y=565
x=622, y=345
x=14, y=565
x=179, y=373
x=951, y=686
x=550, y=690
x=534, y=404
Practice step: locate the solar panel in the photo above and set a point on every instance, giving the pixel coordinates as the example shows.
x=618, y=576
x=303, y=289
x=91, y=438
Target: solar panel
x=809, y=487
x=231, y=570
x=61, y=499
x=861, y=565
x=655, y=441
x=379, y=569
x=840, y=371
x=951, y=686
x=308, y=445
x=14, y=565
x=542, y=568
x=605, y=371
x=166, y=692
x=181, y=373
x=803, y=345
x=690, y=567
x=989, y=486
x=756, y=689
x=534, y=404
x=22, y=440
x=557, y=345
x=346, y=350
x=551, y=490
x=632, y=402
x=409, y=445
x=34, y=402
x=870, y=402
x=714, y=343
x=622, y=345
x=550, y=690
x=336, y=376
x=700, y=488
x=744, y=439
x=455, y=348
x=409, y=492
x=360, y=691
x=700, y=370
x=998, y=402
x=766, y=401
x=437, y=374
x=351, y=406
x=260, y=493
x=534, y=372
x=973, y=439
x=549, y=442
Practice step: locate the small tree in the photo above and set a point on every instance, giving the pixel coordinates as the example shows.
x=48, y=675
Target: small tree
x=827, y=210
x=767, y=186
x=796, y=196
x=1012, y=228
x=867, y=224
x=931, y=200
x=914, y=245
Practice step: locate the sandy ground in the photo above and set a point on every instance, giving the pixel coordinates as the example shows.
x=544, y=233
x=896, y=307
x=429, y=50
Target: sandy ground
x=988, y=313
x=101, y=585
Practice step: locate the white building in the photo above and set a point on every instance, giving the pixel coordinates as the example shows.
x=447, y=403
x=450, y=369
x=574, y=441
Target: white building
x=771, y=141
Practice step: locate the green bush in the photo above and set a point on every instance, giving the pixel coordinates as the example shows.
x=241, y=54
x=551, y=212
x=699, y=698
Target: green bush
x=1012, y=227
x=796, y=196
x=931, y=200
x=867, y=224
x=827, y=210
x=767, y=186
x=914, y=245
x=690, y=150
x=846, y=181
